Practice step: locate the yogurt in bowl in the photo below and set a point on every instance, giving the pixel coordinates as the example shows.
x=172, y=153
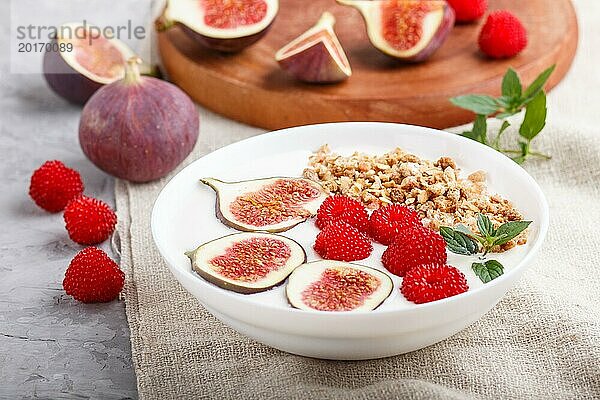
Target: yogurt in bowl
x=184, y=217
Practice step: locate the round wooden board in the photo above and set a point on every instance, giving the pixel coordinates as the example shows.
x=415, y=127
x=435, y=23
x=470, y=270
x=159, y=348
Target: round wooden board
x=250, y=87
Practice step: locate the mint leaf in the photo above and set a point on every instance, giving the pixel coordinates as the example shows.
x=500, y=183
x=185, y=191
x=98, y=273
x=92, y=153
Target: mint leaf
x=485, y=226
x=535, y=117
x=478, y=103
x=507, y=114
x=479, y=132
x=458, y=242
x=505, y=125
x=464, y=229
x=511, y=85
x=524, y=147
x=509, y=231
x=480, y=128
x=471, y=135
x=513, y=100
x=488, y=271
x=537, y=84
x=518, y=159
x=505, y=101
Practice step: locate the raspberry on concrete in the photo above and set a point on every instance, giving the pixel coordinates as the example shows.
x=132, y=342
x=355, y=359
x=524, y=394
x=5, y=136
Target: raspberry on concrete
x=92, y=277
x=88, y=220
x=53, y=185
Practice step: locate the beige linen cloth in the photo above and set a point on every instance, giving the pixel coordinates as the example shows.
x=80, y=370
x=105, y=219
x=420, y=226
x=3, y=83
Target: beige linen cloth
x=541, y=341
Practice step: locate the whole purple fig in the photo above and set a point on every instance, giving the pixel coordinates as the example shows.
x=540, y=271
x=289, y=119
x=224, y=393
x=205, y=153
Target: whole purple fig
x=138, y=128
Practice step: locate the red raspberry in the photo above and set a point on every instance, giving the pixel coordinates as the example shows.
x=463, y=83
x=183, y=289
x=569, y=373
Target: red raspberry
x=468, y=10
x=343, y=209
x=53, y=185
x=92, y=277
x=502, y=35
x=343, y=242
x=413, y=247
x=433, y=282
x=89, y=220
x=386, y=222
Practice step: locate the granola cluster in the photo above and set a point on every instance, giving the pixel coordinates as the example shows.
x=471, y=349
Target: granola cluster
x=433, y=188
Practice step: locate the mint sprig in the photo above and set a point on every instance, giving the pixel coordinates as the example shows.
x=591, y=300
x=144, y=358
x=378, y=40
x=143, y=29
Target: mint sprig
x=461, y=240
x=512, y=101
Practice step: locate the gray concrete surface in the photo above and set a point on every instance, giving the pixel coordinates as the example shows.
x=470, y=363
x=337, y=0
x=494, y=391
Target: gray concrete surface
x=51, y=347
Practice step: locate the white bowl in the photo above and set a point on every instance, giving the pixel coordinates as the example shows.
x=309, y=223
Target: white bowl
x=183, y=217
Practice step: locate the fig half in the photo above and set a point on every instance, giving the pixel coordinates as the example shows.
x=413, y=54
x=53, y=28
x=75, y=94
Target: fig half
x=316, y=55
x=247, y=262
x=92, y=62
x=337, y=286
x=224, y=25
x=410, y=30
x=269, y=204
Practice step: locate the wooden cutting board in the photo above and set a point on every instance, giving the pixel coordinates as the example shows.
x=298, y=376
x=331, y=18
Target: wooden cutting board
x=250, y=87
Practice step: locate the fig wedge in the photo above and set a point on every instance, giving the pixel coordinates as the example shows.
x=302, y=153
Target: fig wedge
x=337, y=286
x=223, y=25
x=410, y=30
x=316, y=56
x=247, y=262
x=269, y=204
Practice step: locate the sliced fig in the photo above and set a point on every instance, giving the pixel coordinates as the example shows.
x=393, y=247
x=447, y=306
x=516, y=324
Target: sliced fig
x=411, y=30
x=337, y=286
x=316, y=55
x=92, y=62
x=247, y=262
x=269, y=204
x=224, y=25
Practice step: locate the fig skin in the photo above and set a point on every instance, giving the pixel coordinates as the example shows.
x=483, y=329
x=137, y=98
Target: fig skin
x=440, y=37
x=374, y=28
x=316, y=64
x=65, y=81
x=225, y=45
x=313, y=65
x=138, y=128
x=233, y=45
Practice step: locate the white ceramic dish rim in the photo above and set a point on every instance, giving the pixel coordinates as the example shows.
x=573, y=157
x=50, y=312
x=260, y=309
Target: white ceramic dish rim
x=543, y=229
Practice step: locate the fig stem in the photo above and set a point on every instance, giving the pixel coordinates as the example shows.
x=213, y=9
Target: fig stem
x=162, y=23
x=132, y=70
x=212, y=182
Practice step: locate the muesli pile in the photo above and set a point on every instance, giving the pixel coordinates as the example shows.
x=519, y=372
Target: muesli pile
x=433, y=188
